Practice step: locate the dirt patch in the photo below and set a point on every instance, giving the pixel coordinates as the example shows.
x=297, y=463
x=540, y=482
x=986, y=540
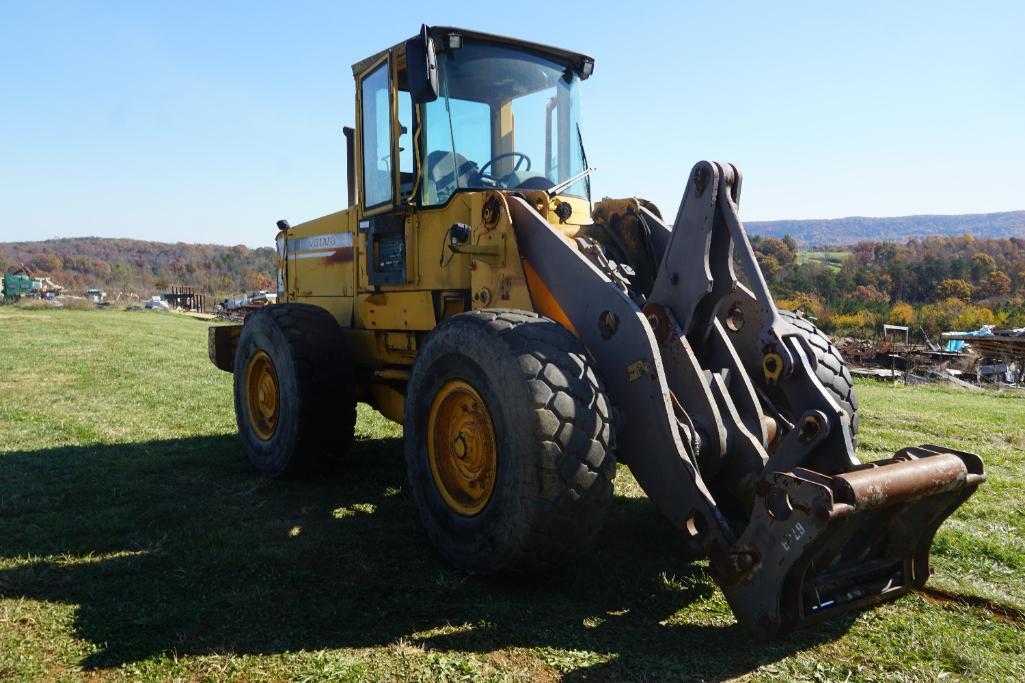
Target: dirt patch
x=535, y=666
x=999, y=611
x=46, y=377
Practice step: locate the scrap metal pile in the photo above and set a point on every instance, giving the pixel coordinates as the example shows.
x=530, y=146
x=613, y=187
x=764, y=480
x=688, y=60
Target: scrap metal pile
x=986, y=357
x=237, y=308
x=1002, y=352
x=185, y=298
x=18, y=283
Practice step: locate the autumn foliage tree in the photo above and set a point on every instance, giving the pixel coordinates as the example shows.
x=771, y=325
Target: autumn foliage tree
x=901, y=314
x=997, y=284
x=775, y=256
x=867, y=294
x=954, y=289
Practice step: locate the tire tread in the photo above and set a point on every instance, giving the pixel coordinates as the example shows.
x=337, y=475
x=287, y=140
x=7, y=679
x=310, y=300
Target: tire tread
x=571, y=433
x=830, y=367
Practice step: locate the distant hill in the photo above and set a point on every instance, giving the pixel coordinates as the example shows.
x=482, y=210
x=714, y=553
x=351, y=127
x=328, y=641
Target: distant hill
x=141, y=267
x=835, y=231
x=145, y=268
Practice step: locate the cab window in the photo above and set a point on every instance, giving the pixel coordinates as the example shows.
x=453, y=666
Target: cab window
x=377, y=158
x=457, y=141
x=406, y=133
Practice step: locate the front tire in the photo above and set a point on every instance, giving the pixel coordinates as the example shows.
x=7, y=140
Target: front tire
x=507, y=442
x=829, y=366
x=294, y=395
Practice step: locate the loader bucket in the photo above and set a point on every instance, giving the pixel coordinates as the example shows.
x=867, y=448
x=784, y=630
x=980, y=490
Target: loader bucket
x=820, y=545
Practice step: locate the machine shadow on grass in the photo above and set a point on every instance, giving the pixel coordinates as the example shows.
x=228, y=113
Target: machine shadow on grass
x=177, y=546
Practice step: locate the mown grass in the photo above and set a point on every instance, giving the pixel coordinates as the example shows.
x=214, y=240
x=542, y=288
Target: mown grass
x=135, y=542
x=830, y=259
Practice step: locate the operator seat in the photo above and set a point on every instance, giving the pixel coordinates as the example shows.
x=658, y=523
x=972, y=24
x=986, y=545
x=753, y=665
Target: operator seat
x=447, y=171
x=532, y=182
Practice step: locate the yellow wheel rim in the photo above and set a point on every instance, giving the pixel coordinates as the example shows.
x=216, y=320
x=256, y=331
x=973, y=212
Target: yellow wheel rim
x=262, y=395
x=461, y=448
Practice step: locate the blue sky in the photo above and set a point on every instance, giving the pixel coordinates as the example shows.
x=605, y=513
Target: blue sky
x=208, y=121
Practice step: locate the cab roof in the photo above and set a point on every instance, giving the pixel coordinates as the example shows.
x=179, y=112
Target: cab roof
x=576, y=60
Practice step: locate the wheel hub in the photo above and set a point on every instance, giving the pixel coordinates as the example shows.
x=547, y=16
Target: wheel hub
x=261, y=388
x=461, y=448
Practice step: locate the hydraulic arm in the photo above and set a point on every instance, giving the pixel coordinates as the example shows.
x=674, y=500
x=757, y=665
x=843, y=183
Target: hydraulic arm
x=726, y=426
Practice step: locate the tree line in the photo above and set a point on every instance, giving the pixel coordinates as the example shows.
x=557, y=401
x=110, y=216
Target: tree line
x=142, y=267
x=937, y=283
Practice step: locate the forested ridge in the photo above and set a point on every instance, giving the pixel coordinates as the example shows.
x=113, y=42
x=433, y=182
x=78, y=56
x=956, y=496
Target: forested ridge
x=143, y=267
x=836, y=231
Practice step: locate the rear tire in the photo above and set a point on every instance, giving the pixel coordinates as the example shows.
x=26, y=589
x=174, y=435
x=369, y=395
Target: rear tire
x=294, y=394
x=550, y=427
x=830, y=367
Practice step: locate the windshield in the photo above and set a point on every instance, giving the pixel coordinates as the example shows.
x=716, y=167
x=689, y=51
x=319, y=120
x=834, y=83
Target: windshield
x=505, y=118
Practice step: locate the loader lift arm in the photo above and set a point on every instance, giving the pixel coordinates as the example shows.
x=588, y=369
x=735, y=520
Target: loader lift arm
x=726, y=427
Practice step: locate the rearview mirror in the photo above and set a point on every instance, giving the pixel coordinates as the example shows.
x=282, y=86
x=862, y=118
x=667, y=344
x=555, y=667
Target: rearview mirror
x=422, y=67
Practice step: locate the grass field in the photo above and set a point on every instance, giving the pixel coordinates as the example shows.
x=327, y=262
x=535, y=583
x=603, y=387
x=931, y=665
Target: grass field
x=136, y=543
x=830, y=259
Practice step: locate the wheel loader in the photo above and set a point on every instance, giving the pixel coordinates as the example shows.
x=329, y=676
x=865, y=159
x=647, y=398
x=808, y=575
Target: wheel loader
x=529, y=340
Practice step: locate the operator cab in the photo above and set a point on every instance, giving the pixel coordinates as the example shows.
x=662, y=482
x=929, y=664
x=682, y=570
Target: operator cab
x=454, y=110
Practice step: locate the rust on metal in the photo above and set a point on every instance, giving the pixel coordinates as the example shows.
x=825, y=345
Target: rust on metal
x=902, y=481
x=639, y=369
x=659, y=322
x=339, y=256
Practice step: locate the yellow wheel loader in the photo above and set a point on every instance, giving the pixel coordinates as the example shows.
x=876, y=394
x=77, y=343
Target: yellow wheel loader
x=528, y=340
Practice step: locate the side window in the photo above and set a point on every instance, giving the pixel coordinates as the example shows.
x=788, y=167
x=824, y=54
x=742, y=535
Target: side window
x=377, y=178
x=406, y=176
x=537, y=131
x=458, y=140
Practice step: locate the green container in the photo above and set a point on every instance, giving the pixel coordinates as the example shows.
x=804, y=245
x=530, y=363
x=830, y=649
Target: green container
x=16, y=285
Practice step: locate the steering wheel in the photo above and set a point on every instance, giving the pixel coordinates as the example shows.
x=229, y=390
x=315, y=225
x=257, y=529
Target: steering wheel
x=520, y=158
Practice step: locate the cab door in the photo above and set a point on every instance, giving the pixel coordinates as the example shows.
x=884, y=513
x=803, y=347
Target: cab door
x=385, y=223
